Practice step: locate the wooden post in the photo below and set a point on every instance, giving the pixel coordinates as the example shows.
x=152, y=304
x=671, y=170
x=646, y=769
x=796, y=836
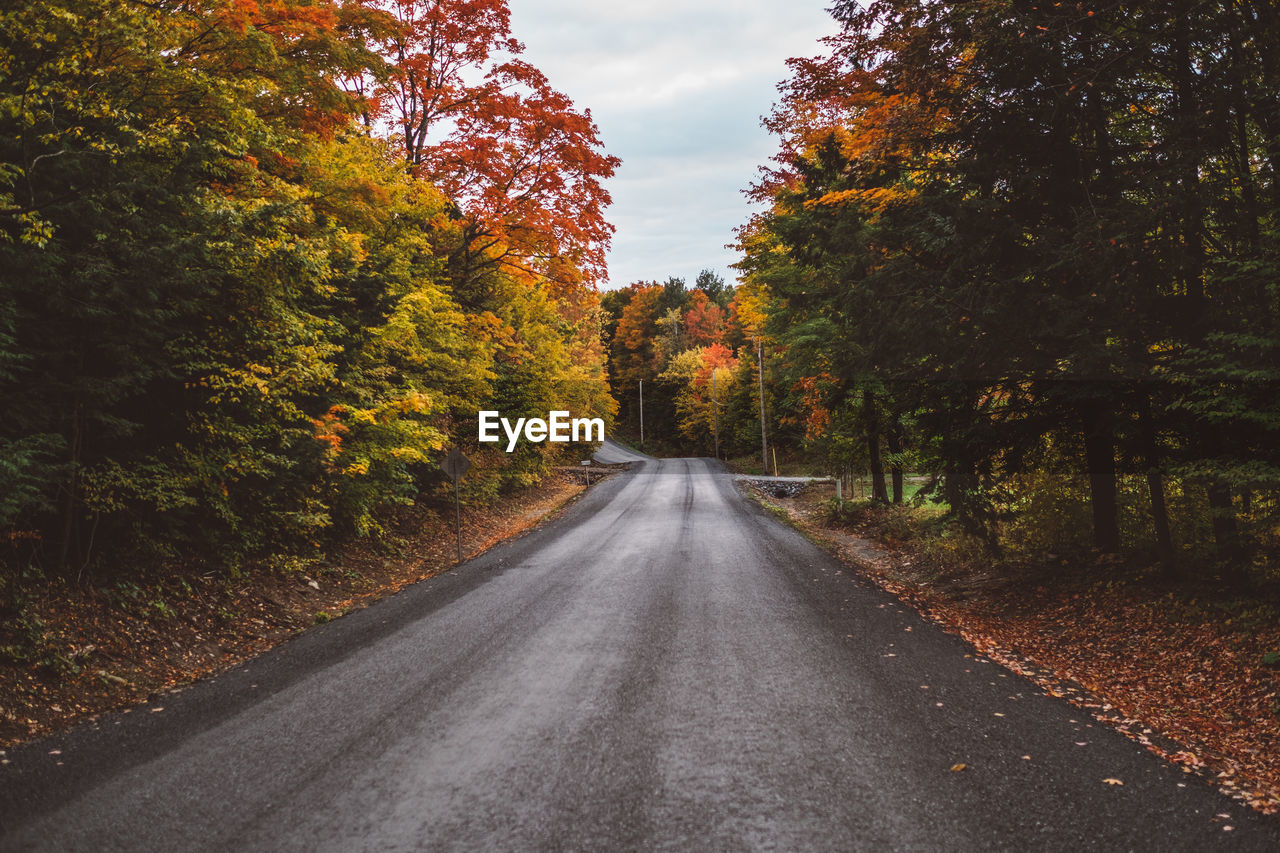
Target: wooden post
x=764, y=443
x=715, y=411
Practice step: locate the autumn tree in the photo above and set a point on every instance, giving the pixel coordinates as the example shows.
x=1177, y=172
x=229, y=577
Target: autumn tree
x=701, y=380
x=230, y=326
x=523, y=166
x=704, y=320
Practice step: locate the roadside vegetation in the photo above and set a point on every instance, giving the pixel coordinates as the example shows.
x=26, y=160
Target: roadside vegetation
x=78, y=650
x=261, y=263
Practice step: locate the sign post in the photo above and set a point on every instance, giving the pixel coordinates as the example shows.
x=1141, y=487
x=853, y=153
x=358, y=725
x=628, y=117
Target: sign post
x=455, y=464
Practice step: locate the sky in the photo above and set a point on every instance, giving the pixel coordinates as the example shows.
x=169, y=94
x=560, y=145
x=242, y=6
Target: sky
x=677, y=89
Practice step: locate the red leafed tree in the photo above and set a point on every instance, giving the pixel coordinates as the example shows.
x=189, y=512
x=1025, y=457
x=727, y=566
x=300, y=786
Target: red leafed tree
x=718, y=359
x=704, y=320
x=442, y=61
x=523, y=166
x=718, y=356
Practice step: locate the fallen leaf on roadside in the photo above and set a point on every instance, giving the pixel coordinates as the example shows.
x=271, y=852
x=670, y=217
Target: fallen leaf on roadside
x=956, y=768
x=1113, y=781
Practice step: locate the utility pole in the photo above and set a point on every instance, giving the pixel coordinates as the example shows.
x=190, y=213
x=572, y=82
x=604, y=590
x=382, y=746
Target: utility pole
x=642, y=413
x=764, y=443
x=715, y=411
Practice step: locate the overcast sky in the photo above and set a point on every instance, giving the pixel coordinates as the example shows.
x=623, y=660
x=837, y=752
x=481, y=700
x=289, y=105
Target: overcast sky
x=677, y=89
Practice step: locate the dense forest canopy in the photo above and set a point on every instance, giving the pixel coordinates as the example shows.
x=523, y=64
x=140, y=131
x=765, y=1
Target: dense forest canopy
x=261, y=260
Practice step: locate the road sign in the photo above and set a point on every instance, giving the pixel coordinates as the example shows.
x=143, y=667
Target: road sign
x=455, y=464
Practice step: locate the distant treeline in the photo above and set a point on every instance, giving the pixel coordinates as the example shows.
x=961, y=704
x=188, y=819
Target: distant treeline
x=261, y=260
x=665, y=342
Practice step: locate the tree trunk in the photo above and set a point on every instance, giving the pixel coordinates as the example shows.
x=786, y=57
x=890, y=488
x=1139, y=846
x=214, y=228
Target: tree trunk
x=69, y=547
x=1099, y=451
x=1188, y=158
x=1226, y=533
x=1155, y=483
x=1262, y=23
x=871, y=418
x=895, y=447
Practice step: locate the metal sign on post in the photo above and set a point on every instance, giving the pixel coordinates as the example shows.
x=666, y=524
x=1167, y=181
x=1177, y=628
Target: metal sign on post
x=455, y=464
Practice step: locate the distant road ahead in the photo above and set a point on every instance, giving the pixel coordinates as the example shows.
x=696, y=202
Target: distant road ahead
x=665, y=666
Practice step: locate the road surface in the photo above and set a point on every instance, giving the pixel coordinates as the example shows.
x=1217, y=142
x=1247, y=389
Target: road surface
x=664, y=667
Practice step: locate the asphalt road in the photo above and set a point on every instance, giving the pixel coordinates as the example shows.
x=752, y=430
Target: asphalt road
x=665, y=666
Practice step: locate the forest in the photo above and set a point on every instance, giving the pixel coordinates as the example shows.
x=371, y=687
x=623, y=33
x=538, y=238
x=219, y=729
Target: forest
x=262, y=260
x=1025, y=251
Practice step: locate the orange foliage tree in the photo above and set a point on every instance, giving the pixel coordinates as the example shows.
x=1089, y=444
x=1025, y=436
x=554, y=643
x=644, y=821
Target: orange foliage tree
x=633, y=353
x=704, y=321
x=524, y=167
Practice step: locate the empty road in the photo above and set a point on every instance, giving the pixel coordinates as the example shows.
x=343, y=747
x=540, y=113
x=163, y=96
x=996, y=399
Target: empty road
x=664, y=666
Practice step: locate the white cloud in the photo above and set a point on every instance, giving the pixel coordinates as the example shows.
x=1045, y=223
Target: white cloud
x=678, y=93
